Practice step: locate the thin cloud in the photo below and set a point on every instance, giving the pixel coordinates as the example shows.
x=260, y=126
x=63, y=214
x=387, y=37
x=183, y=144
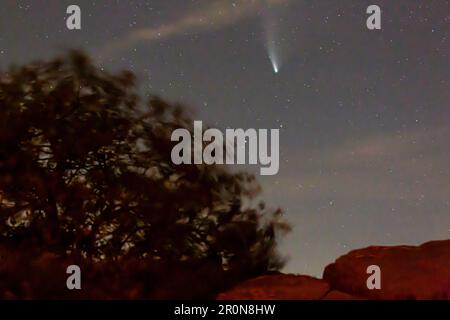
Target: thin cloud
x=215, y=15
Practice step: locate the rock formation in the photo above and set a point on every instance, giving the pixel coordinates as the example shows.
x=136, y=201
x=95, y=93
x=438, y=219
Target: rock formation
x=407, y=272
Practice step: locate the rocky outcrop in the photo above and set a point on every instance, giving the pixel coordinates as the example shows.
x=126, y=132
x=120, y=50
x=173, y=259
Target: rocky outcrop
x=407, y=272
x=279, y=286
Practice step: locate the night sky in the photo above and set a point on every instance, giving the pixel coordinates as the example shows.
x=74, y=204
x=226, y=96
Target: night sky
x=364, y=116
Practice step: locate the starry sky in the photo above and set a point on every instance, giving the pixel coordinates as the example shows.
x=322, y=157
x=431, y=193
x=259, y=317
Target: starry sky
x=364, y=116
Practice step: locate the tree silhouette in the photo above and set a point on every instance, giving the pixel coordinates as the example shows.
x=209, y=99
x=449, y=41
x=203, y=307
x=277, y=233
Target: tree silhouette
x=86, y=176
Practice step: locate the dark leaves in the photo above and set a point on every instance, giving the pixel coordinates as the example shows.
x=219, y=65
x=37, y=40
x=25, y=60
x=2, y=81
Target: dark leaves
x=85, y=173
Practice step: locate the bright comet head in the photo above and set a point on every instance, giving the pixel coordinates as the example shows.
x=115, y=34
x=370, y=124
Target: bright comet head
x=275, y=68
x=274, y=62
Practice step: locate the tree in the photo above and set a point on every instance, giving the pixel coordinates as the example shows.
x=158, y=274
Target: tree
x=86, y=175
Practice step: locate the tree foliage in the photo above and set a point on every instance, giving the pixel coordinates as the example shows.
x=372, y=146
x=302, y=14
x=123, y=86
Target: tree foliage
x=86, y=176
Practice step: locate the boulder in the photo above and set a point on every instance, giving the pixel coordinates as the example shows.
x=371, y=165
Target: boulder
x=278, y=287
x=407, y=272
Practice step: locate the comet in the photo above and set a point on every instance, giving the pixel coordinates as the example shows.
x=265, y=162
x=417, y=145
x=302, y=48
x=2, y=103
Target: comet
x=275, y=68
x=271, y=33
x=274, y=61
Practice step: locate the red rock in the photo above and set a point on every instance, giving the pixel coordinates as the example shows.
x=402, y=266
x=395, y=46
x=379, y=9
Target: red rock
x=278, y=287
x=407, y=272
